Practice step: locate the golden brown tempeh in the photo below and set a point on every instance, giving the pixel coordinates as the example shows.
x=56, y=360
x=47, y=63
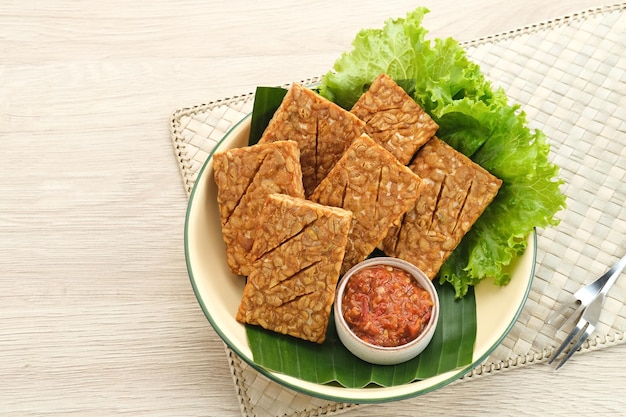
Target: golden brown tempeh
x=371, y=183
x=291, y=286
x=322, y=129
x=244, y=178
x=393, y=119
x=455, y=191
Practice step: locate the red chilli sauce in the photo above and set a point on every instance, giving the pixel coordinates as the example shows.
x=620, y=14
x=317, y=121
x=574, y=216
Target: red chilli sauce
x=385, y=306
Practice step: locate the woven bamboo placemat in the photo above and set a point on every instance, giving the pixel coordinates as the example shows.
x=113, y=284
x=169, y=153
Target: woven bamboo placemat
x=569, y=75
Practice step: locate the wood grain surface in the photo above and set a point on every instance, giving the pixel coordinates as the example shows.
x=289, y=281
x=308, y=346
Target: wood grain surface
x=96, y=310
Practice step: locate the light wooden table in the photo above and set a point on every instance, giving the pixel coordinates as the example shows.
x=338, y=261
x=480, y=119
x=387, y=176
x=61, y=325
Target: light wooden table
x=96, y=310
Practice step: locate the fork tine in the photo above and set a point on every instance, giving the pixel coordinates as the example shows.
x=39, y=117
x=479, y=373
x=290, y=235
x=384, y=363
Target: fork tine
x=577, y=345
x=574, y=315
x=582, y=323
x=561, y=311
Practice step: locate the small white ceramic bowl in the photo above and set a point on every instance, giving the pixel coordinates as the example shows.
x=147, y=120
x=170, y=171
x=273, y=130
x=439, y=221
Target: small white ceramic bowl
x=380, y=355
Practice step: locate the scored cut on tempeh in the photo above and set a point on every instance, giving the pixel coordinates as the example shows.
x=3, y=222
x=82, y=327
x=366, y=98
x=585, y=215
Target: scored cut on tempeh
x=322, y=129
x=371, y=183
x=244, y=178
x=454, y=193
x=393, y=119
x=291, y=286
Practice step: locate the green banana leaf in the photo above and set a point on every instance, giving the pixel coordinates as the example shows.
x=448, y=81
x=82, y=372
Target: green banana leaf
x=452, y=346
x=266, y=101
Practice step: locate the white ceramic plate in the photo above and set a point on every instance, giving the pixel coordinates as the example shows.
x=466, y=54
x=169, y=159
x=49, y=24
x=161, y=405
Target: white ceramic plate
x=219, y=293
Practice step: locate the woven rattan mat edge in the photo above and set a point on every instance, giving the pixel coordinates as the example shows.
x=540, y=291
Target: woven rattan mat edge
x=484, y=369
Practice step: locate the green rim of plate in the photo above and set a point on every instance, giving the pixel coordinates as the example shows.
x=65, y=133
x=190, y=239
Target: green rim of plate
x=347, y=398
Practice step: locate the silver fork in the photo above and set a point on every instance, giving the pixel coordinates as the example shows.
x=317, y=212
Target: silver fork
x=589, y=299
x=585, y=295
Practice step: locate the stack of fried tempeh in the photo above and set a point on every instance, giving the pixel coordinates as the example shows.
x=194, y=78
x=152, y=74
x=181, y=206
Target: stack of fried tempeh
x=324, y=187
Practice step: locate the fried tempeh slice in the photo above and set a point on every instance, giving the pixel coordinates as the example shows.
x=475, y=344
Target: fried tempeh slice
x=244, y=178
x=322, y=129
x=291, y=287
x=455, y=191
x=370, y=182
x=394, y=119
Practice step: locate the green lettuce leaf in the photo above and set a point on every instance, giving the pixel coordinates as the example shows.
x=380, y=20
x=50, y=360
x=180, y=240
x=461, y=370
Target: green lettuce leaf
x=476, y=119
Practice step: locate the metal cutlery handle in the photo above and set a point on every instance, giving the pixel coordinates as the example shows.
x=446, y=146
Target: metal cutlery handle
x=612, y=274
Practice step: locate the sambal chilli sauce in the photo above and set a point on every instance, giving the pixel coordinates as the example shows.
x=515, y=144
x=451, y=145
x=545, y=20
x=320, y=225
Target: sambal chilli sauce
x=385, y=306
